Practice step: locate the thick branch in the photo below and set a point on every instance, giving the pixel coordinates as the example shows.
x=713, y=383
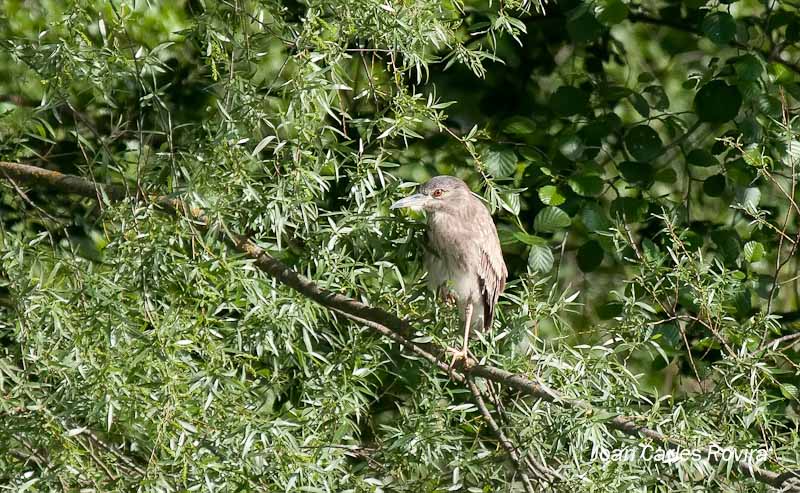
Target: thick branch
x=377, y=319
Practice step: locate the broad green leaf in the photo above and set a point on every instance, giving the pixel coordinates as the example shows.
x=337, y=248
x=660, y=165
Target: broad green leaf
x=717, y=102
x=789, y=391
x=781, y=72
x=500, y=161
x=549, y=195
x=551, y=219
x=568, y=101
x=750, y=198
x=590, y=256
x=586, y=185
x=643, y=143
x=753, y=251
x=751, y=130
x=728, y=244
x=640, y=104
x=594, y=217
x=666, y=175
x=609, y=310
x=571, y=147
x=610, y=12
x=540, y=258
x=701, y=157
x=714, y=186
x=748, y=67
x=519, y=125
x=669, y=334
x=582, y=26
x=631, y=209
x=719, y=27
x=529, y=239
x=633, y=172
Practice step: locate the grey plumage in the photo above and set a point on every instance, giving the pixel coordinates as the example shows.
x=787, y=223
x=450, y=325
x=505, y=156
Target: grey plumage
x=463, y=259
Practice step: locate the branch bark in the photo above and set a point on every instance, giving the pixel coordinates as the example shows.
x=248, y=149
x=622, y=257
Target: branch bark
x=376, y=319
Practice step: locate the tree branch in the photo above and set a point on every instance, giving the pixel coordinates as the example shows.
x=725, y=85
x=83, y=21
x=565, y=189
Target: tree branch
x=504, y=441
x=377, y=319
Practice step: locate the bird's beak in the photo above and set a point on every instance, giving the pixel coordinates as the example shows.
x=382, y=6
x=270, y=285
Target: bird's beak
x=415, y=202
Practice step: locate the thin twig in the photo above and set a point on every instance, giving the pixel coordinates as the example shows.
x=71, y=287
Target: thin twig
x=504, y=441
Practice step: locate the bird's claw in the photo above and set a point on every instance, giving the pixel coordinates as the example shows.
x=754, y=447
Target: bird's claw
x=458, y=355
x=448, y=297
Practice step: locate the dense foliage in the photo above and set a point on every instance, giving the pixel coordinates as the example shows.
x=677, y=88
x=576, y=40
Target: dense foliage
x=640, y=159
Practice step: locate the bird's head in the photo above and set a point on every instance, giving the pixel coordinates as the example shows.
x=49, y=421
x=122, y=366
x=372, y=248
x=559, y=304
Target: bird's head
x=440, y=193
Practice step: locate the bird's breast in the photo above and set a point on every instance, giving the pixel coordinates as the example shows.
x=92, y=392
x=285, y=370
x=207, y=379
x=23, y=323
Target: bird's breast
x=448, y=271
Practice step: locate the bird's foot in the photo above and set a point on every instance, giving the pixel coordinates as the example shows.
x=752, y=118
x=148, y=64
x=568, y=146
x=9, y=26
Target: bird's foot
x=459, y=355
x=448, y=297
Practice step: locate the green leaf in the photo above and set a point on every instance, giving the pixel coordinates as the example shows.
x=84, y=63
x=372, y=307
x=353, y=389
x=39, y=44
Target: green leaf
x=529, y=239
x=717, y=102
x=750, y=198
x=714, y=186
x=751, y=130
x=613, y=93
x=753, y=251
x=789, y=391
x=568, y=101
x=740, y=173
x=666, y=175
x=670, y=335
x=540, y=258
x=609, y=310
x=770, y=106
x=631, y=209
x=645, y=78
x=582, y=26
x=586, y=185
x=728, y=245
x=590, y=256
x=519, y=126
x=640, y=104
x=610, y=12
x=551, y=219
x=701, y=157
x=793, y=31
x=719, y=27
x=643, y=143
x=748, y=67
x=781, y=72
x=634, y=172
x=571, y=147
x=793, y=89
x=594, y=217
x=549, y=195
x=500, y=161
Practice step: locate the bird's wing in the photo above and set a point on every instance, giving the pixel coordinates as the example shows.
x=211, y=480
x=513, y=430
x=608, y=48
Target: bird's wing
x=492, y=272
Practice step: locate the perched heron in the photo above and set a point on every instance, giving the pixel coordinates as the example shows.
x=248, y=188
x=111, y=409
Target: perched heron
x=463, y=257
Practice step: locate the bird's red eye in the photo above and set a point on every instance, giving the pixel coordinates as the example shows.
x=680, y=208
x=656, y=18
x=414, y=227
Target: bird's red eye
x=437, y=193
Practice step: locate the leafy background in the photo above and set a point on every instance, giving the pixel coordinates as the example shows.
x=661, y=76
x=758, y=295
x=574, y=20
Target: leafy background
x=639, y=157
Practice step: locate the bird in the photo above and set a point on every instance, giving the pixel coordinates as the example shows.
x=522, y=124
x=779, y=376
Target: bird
x=463, y=257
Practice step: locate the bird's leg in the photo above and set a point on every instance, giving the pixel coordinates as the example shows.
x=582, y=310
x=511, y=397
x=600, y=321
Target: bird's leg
x=463, y=354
